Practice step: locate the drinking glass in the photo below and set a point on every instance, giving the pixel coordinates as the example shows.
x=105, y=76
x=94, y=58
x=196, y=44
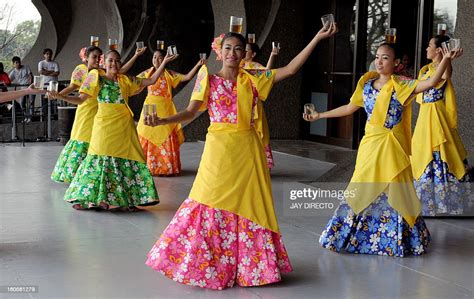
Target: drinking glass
x=236, y=24
x=327, y=20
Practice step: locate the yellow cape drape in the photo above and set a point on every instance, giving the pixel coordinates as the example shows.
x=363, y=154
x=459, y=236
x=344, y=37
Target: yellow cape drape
x=383, y=163
x=233, y=174
x=436, y=129
x=114, y=133
x=85, y=112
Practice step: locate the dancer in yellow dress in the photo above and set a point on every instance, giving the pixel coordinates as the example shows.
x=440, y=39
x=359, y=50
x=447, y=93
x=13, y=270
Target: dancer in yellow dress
x=381, y=214
x=161, y=144
x=226, y=232
x=114, y=173
x=438, y=154
x=76, y=148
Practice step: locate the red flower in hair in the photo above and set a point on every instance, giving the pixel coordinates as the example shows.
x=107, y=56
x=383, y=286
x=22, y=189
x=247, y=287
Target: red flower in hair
x=82, y=54
x=217, y=46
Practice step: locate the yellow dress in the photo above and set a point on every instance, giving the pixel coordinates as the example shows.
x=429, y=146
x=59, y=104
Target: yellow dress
x=114, y=170
x=383, y=163
x=261, y=123
x=379, y=215
x=76, y=148
x=229, y=177
x=439, y=157
x=161, y=143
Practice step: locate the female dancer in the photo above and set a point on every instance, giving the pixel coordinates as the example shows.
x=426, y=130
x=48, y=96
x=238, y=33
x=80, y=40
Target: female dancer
x=76, y=148
x=381, y=215
x=161, y=144
x=226, y=231
x=114, y=172
x=439, y=158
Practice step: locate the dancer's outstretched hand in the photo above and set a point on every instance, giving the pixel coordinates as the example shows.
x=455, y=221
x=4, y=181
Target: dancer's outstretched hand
x=153, y=120
x=53, y=95
x=311, y=117
x=169, y=57
x=327, y=32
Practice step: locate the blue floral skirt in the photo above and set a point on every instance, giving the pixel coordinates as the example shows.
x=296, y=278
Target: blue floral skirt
x=379, y=230
x=441, y=192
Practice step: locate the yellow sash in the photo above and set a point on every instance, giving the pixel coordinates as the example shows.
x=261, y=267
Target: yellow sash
x=84, y=120
x=436, y=130
x=85, y=112
x=383, y=163
x=164, y=108
x=114, y=133
x=233, y=174
x=261, y=123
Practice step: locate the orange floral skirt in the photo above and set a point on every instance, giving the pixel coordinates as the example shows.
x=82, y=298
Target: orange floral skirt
x=165, y=159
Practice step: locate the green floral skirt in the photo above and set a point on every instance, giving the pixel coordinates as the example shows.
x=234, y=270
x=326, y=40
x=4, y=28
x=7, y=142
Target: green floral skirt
x=115, y=181
x=69, y=160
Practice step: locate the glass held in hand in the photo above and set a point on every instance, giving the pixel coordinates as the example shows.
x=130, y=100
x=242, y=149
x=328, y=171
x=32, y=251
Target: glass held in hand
x=309, y=109
x=172, y=50
x=149, y=110
x=53, y=86
x=38, y=82
x=327, y=20
x=140, y=45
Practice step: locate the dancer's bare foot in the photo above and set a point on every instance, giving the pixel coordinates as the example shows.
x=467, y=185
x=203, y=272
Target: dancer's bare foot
x=78, y=207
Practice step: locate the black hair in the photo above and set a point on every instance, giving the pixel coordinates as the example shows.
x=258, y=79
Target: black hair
x=48, y=50
x=1, y=65
x=439, y=39
x=395, y=48
x=255, y=48
x=91, y=49
x=112, y=51
x=162, y=52
x=234, y=35
x=16, y=59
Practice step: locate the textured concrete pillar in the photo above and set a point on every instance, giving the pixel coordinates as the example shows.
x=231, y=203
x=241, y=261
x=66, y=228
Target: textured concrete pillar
x=464, y=74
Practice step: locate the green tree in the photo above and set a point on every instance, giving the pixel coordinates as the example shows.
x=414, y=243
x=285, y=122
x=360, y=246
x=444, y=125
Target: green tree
x=17, y=41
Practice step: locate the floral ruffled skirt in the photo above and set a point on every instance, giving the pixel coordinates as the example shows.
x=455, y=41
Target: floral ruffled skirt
x=378, y=230
x=114, y=181
x=71, y=157
x=213, y=248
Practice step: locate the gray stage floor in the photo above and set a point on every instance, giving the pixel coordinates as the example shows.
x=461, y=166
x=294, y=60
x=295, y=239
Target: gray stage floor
x=87, y=254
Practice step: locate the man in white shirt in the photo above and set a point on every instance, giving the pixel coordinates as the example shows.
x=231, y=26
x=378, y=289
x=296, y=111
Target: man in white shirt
x=50, y=70
x=47, y=67
x=21, y=74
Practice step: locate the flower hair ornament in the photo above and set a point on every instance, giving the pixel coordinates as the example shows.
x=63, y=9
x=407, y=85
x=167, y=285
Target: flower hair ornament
x=217, y=46
x=82, y=54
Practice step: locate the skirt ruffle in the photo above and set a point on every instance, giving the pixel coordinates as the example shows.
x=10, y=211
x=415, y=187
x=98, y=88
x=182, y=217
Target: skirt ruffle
x=71, y=157
x=213, y=248
x=440, y=192
x=115, y=181
x=378, y=230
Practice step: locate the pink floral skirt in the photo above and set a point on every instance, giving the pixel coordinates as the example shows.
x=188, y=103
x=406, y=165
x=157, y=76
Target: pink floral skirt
x=213, y=248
